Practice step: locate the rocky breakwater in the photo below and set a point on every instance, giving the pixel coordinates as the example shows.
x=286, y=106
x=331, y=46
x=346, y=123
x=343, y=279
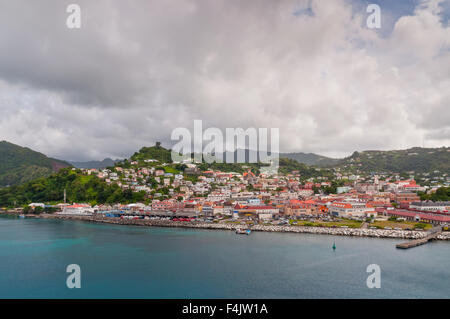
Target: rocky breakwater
x=142, y=222
x=444, y=236
x=359, y=232
x=378, y=233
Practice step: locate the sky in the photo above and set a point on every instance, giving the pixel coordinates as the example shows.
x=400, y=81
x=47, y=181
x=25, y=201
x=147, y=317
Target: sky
x=137, y=70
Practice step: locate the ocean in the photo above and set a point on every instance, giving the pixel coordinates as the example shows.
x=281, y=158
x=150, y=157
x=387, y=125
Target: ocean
x=149, y=262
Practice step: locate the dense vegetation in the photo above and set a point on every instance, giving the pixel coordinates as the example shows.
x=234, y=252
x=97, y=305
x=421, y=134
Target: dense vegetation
x=20, y=164
x=79, y=188
x=289, y=165
x=441, y=194
x=417, y=159
x=156, y=152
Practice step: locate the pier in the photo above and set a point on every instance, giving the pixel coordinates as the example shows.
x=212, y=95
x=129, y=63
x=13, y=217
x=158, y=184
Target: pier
x=432, y=234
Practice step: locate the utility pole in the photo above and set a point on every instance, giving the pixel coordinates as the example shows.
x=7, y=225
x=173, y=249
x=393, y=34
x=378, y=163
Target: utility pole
x=64, y=195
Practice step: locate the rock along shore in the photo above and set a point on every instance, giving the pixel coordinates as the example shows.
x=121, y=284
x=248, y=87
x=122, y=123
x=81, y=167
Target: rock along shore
x=359, y=232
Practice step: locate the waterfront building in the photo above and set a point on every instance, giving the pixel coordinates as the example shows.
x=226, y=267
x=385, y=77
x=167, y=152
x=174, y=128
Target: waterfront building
x=261, y=212
x=430, y=206
x=167, y=205
x=432, y=218
x=34, y=205
x=77, y=209
x=349, y=209
x=301, y=208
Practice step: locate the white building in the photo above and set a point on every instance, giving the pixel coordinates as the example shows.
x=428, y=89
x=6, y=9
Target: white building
x=77, y=209
x=430, y=206
x=349, y=209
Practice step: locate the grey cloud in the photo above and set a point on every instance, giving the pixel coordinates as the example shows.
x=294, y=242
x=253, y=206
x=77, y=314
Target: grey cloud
x=137, y=70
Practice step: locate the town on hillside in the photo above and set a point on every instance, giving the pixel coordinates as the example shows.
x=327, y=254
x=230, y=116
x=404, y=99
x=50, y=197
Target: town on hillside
x=185, y=193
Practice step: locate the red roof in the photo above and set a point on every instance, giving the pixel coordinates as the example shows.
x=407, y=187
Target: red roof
x=441, y=218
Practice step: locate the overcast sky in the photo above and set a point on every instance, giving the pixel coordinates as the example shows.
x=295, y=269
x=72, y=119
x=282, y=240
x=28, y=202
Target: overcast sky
x=138, y=69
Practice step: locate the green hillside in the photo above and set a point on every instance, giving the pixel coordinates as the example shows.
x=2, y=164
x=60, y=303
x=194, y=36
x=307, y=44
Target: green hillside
x=79, y=188
x=156, y=152
x=288, y=165
x=417, y=159
x=21, y=164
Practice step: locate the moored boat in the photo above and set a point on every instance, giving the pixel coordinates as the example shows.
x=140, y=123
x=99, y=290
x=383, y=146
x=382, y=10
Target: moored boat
x=243, y=231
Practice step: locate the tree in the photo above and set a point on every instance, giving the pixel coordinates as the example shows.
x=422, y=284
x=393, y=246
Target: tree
x=128, y=194
x=50, y=210
x=26, y=209
x=316, y=189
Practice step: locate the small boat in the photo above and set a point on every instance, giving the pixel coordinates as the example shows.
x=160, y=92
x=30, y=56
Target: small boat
x=21, y=216
x=243, y=231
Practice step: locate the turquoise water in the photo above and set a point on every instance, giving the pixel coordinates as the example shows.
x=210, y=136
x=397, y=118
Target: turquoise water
x=145, y=262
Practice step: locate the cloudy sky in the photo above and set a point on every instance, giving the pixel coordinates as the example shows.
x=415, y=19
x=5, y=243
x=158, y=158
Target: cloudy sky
x=136, y=70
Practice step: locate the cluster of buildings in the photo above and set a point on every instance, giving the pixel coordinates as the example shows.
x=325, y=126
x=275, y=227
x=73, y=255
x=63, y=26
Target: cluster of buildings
x=215, y=194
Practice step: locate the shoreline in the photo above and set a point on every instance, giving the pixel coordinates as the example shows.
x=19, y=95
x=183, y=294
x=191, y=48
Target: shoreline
x=354, y=232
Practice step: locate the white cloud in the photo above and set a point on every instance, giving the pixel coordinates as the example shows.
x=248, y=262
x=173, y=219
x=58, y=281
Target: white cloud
x=135, y=72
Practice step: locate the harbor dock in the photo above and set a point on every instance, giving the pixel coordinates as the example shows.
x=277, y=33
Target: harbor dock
x=433, y=233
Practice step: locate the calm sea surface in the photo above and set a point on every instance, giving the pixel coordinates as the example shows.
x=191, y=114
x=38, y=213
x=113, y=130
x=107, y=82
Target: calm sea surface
x=146, y=262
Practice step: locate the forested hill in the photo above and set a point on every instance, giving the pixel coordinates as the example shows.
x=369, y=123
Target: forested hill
x=156, y=152
x=79, y=187
x=21, y=164
x=417, y=159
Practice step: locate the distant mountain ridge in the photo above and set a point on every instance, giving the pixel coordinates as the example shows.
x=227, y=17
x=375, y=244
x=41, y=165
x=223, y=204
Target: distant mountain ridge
x=416, y=159
x=20, y=164
x=310, y=159
x=107, y=162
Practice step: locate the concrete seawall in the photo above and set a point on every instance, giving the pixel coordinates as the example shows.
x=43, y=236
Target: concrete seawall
x=358, y=232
